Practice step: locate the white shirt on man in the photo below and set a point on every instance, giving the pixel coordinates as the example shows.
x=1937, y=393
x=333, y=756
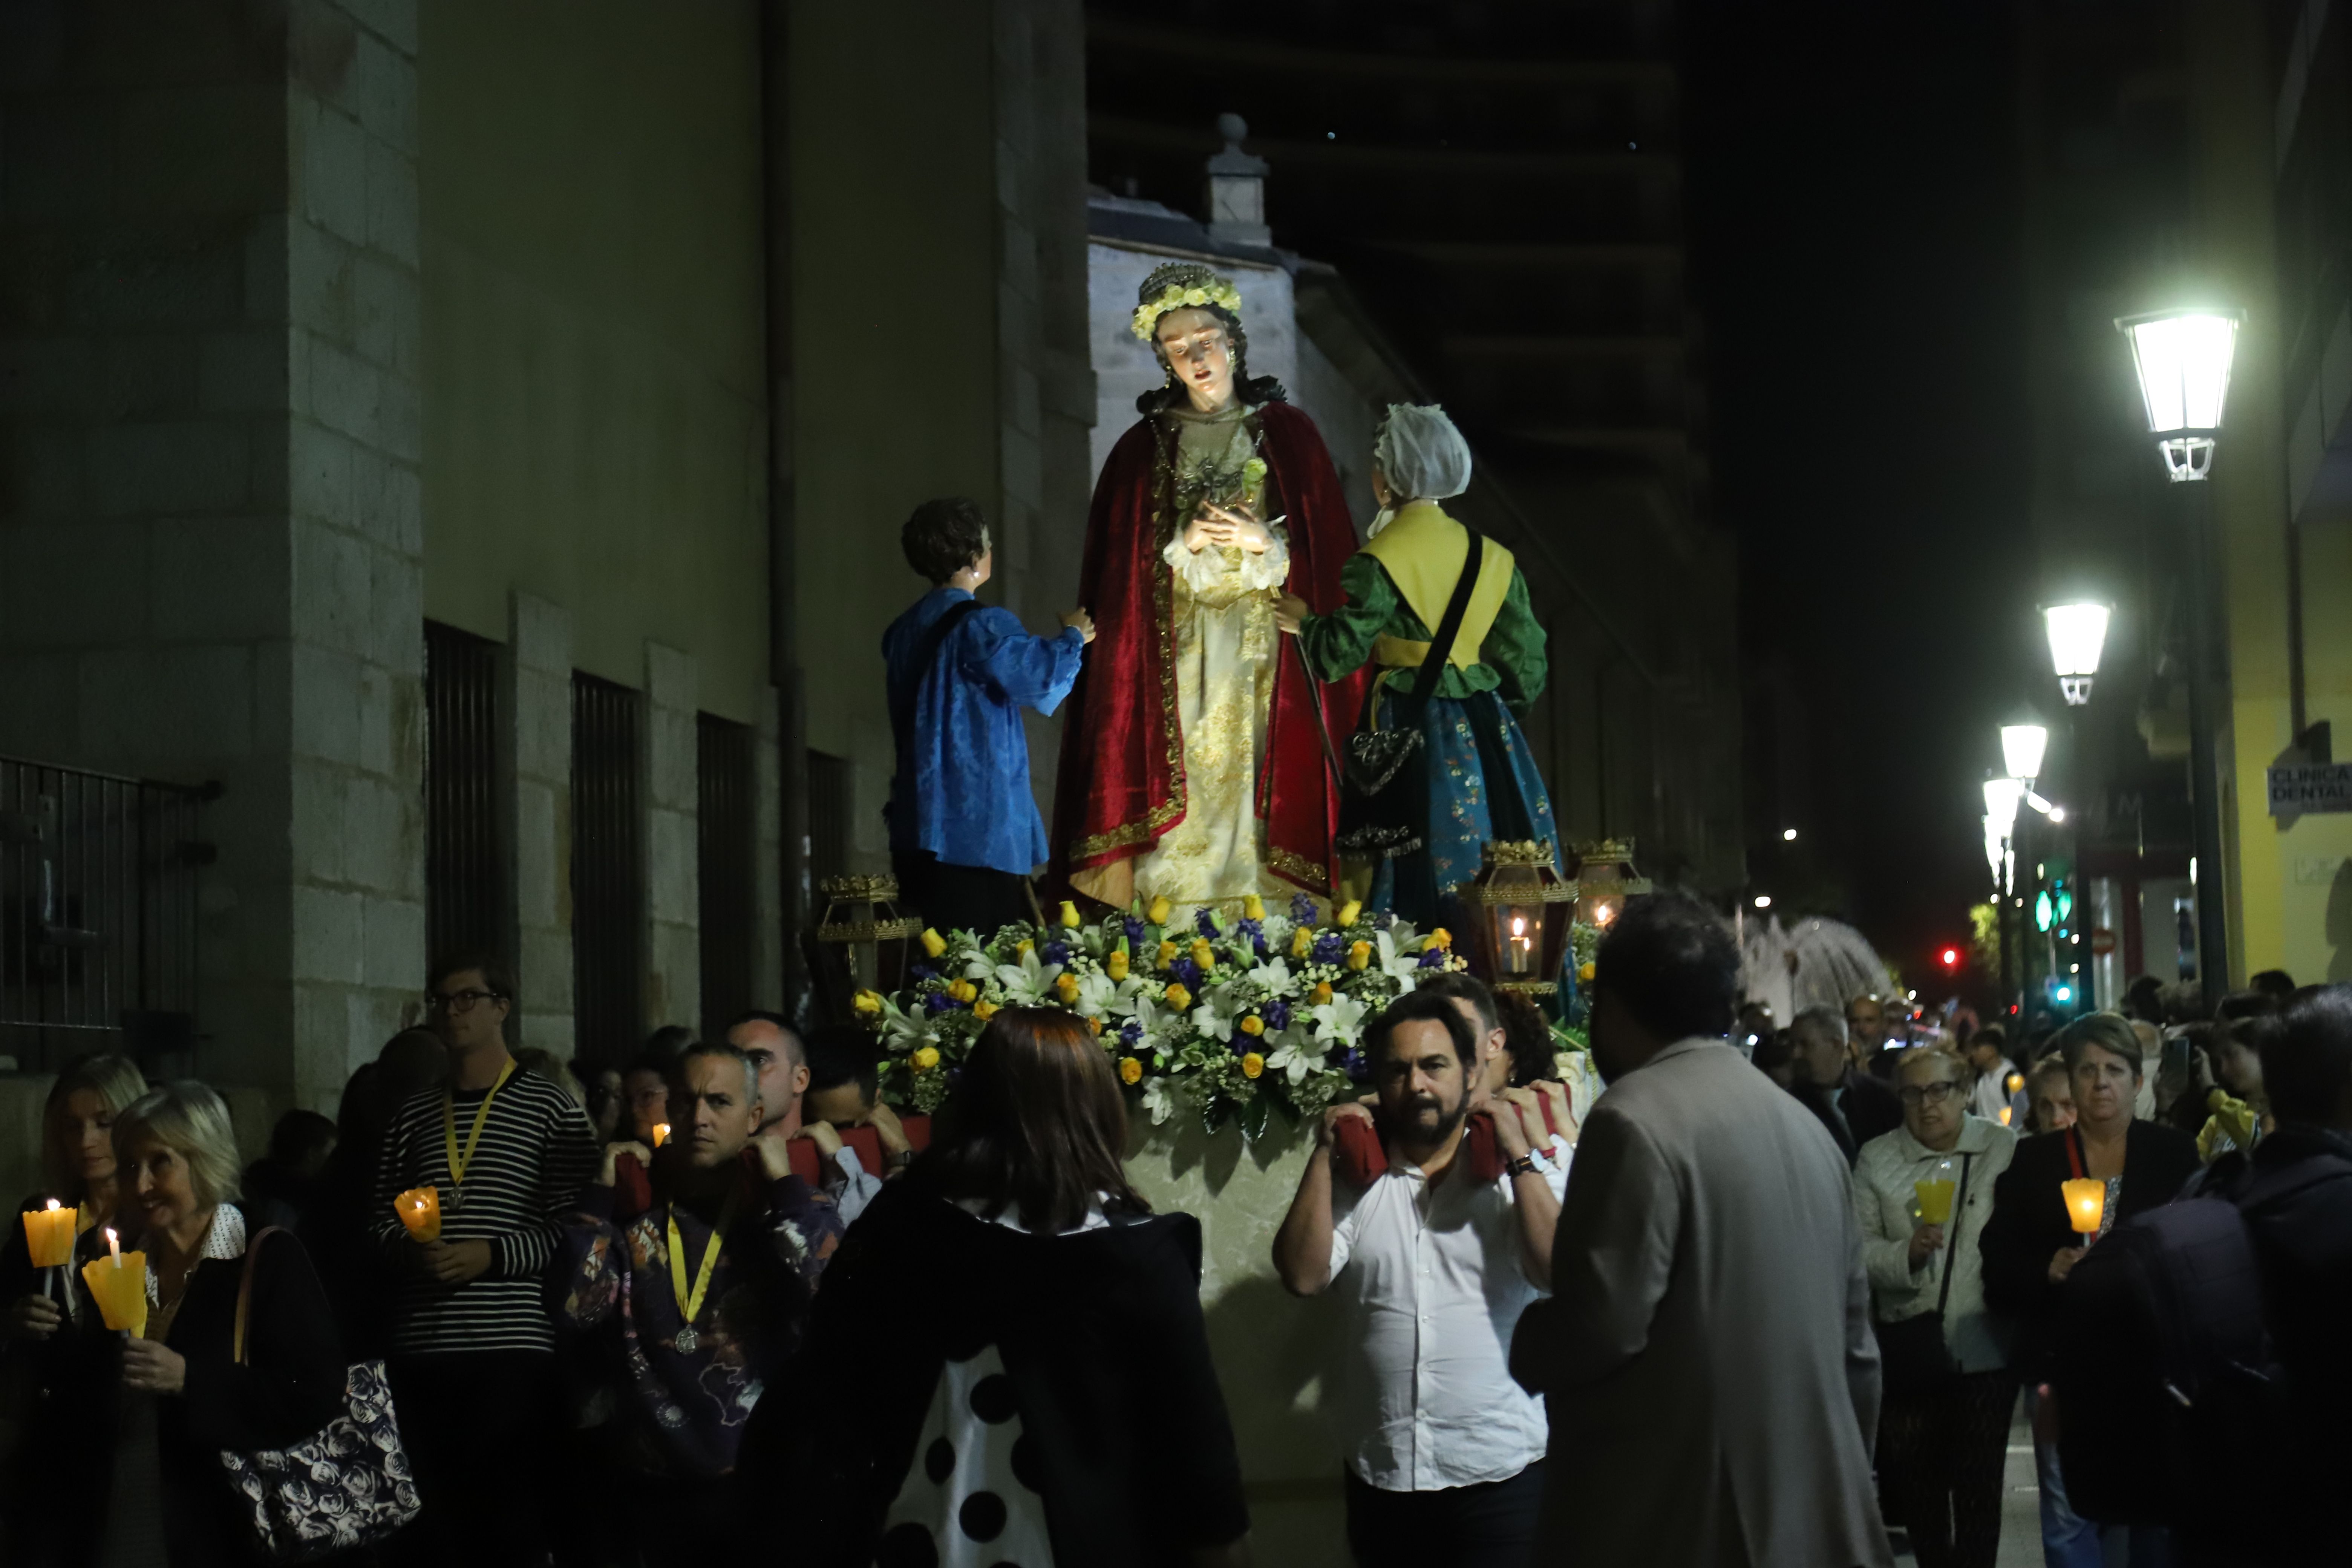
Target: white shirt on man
x=1432, y=1281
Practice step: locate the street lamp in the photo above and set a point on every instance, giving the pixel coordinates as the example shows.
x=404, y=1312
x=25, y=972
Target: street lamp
x=2182, y=358
x=2021, y=746
x=2077, y=633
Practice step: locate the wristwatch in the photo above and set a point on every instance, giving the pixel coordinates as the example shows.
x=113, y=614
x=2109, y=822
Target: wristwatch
x=1525, y=1165
x=894, y=1162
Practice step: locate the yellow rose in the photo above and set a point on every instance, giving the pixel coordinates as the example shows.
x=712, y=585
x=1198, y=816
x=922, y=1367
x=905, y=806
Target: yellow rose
x=1158, y=913
x=1024, y=945
x=1253, y=907
x=1065, y=986
x=1203, y=955
x=867, y=1001
x=934, y=943
x=1584, y=973
x=1322, y=992
x=1167, y=953
x=1069, y=915
x=1302, y=942
x=983, y=1011
x=1196, y=296
x=1178, y=997
x=1349, y=910
x=1253, y=1024
x=1439, y=938
x=1094, y=1027
x=1130, y=1070
x=925, y=1059
x=1115, y=965
x=1253, y=1064
x=962, y=991
x=1360, y=955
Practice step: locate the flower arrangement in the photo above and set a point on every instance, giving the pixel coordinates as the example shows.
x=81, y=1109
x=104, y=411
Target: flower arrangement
x=1225, y=1017
x=1177, y=296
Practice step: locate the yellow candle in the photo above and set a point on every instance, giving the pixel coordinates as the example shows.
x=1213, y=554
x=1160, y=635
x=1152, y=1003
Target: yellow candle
x=419, y=1209
x=49, y=1234
x=2086, y=1200
x=1935, y=1199
x=119, y=1285
x=661, y=1133
x=114, y=1245
x=2006, y=1112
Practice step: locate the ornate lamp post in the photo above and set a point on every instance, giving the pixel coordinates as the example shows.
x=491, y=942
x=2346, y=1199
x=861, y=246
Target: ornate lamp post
x=2183, y=358
x=1525, y=905
x=2077, y=635
x=862, y=914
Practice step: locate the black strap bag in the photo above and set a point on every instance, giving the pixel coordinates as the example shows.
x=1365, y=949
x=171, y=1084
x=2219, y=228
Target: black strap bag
x=1379, y=815
x=1914, y=1356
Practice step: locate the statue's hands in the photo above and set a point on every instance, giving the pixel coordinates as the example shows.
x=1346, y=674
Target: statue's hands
x=1084, y=622
x=1202, y=533
x=1238, y=525
x=1288, y=611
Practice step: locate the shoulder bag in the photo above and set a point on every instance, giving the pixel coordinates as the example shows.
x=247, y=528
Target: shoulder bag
x=347, y=1486
x=1377, y=809
x=1914, y=1356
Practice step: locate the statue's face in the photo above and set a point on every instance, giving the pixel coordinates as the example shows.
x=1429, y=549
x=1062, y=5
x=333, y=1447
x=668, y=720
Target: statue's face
x=1200, y=356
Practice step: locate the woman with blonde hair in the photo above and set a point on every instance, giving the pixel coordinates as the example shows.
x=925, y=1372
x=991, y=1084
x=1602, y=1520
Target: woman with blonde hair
x=77, y=1168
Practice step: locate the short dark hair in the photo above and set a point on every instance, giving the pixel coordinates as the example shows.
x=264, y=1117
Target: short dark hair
x=1463, y=985
x=495, y=972
x=943, y=537
x=845, y=1052
x=1424, y=1005
x=2275, y=983
x=1527, y=1034
x=676, y=1075
x=795, y=1047
x=299, y=1135
x=669, y=1040
x=2307, y=1059
x=658, y=1063
x=1671, y=961
x=2110, y=1032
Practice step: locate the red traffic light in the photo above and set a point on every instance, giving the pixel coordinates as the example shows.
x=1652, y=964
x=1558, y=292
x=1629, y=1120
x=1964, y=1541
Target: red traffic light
x=1951, y=958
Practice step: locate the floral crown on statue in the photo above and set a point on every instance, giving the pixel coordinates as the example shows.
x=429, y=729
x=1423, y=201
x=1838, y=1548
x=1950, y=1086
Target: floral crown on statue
x=1177, y=285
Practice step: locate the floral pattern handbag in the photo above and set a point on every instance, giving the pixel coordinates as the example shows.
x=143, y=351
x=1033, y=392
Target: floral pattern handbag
x=347, y=1486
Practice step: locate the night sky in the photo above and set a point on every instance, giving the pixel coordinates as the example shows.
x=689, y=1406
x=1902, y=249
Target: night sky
x=1855, y=208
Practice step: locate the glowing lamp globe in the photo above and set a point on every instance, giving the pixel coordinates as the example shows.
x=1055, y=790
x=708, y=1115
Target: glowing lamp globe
x=2077, y=634
x=1527, y=908
x=2021, y=746
x=2183, y=361
x=2000, y=798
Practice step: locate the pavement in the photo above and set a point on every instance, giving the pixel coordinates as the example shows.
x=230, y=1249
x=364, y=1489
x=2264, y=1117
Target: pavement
x=2020, y=1505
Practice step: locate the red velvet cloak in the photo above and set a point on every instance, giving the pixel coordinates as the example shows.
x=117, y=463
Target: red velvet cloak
x=1121, y=779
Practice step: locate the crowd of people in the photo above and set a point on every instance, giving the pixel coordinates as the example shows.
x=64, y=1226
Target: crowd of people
x=1780, y=1290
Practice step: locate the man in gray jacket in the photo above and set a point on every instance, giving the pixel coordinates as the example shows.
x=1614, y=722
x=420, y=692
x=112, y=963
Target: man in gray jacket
x=1707, y=1353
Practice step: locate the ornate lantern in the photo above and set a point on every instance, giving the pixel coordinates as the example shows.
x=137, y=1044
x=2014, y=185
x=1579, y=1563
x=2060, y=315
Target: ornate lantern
x=1604, y=881
x=1525, y=903
x=862, y=913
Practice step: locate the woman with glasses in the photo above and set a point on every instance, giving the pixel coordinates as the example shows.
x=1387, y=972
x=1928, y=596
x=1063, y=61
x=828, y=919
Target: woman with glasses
x=1922, y=1194
x=2030, y=1245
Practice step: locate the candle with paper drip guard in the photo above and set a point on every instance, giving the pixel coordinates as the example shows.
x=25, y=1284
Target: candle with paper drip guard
x=49, y=1234
x=2087, y=1203
x=118, y=1282
x=419, y=1209
x=661, y=1133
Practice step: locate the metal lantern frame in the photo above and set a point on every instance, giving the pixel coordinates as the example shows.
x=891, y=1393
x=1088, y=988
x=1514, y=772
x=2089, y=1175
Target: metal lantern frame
x=1526, y=909
x=861, y=913
x=2183, y=359
x=2077, y=633
x=1604, y=881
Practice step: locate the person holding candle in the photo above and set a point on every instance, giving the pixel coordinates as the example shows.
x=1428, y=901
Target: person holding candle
x=178, y=1155
x=1922, y=1194
x=715, y=1272
x=473, y=1351
x=2030, y=1244
x=78, y=1166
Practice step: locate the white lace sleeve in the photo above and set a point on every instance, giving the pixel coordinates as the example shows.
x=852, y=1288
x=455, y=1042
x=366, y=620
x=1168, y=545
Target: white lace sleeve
x=1271, y=569
x=1196, y=569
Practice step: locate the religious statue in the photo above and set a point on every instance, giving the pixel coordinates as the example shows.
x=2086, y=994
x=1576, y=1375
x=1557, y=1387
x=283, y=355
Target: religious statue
x=1197, y=765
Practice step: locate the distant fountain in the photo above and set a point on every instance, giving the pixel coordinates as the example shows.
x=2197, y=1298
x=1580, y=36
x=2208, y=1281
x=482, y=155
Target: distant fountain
x=1814, y=962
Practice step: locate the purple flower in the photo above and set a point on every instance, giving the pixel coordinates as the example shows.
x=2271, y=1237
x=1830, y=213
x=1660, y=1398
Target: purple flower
x=1188, y=973
x=1277, y=1014
x=1354, y=1066
x=1384, y=919
x=1135, y=930
x=1130, y=1031
x=1302, y=909
x=1205, y=920
x=1433, y=958
x=1054, y=952
x=924, y=972
x=1254, y=933
x=937, y=1001
x=1329, y=948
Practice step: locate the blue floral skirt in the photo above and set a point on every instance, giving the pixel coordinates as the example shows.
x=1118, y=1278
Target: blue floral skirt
x=1479, y=784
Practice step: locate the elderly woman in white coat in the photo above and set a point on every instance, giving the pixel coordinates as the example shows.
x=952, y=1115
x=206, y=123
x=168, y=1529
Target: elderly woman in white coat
x=1943, y=1432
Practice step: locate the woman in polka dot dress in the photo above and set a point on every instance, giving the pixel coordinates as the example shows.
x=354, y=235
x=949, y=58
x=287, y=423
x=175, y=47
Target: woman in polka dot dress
x=1006, y=1363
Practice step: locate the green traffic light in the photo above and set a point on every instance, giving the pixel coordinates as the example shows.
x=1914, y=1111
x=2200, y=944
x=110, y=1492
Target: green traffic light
x=2042, y=910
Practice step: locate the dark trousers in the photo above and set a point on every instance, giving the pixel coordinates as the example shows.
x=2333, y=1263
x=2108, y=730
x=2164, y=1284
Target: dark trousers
x=1490, y=1525
x=962, y=897
x=480, y=1427
x=1943, y=1454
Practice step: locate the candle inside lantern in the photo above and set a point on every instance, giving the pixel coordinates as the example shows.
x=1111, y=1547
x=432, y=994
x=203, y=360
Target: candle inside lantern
x=419, y=1209
x=2086, y=1202
x=661, y=1133
x=49, y=1234
x=120, y=1288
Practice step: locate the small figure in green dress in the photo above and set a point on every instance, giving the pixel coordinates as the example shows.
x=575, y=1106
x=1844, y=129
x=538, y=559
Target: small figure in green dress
x=1478, y=777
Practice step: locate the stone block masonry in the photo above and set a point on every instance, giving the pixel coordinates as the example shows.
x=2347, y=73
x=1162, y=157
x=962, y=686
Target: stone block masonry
x=672, y=805
x=537, y=710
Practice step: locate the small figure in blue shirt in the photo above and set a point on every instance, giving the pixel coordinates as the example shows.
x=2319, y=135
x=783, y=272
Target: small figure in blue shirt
x=964, y=829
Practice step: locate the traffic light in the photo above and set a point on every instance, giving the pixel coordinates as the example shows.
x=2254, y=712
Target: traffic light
x=1951, y=956
x=2042, y=911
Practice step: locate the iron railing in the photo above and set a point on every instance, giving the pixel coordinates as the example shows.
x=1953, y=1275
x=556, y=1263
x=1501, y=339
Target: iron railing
x=465, y=854
x=608, y=882
x=98, y=916
x=727, y=833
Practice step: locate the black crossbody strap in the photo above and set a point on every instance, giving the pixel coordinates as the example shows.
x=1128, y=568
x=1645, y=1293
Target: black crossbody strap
x=935, y=637
x=1440, y=647
x=1960, y=1210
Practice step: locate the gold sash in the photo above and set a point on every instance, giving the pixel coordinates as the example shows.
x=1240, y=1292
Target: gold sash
x=1423, y=550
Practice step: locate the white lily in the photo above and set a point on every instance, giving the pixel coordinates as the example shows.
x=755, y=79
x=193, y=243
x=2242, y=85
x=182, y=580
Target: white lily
x=1097, y=994
x=1403, y=967
x=1275, y=977
x=1340, y=1020
x=1160, y=1099
x=1297, y=1055
x=904, y=1030
x=1214, y=1018
x=1028, y=984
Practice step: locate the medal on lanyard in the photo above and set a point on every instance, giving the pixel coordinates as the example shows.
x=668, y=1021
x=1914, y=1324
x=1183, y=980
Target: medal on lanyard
x=455, y=1198
x=689, y=1301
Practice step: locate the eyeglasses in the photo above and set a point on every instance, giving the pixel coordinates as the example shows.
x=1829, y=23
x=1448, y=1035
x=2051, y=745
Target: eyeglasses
x=1927, y=1093
x=457, y=1002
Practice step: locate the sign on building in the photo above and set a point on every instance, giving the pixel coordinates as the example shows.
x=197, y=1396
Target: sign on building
x=2311, y=786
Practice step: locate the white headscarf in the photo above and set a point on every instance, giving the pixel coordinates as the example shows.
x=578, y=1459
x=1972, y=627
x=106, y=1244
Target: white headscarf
x=1422, y=455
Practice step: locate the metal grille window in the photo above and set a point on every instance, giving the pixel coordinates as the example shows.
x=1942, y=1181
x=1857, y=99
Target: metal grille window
x=466, y=863
x=98, y=917
x=608, y=889
x=829, y=797
x=726, y=849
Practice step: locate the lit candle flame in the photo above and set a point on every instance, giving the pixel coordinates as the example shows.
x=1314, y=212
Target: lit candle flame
x=53, y=1205
x=114, y=1245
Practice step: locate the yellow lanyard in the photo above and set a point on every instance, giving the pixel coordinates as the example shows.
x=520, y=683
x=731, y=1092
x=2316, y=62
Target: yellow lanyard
x=458, y=1162
x=690, y=1303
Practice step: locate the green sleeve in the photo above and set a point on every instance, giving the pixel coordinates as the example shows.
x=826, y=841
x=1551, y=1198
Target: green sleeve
x=1336, y=645
x=1515, y=647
